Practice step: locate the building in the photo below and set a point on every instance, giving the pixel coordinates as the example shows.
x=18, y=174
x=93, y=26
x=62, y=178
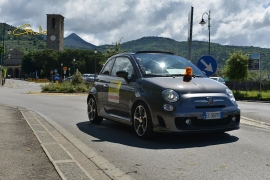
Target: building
x=55, y=32
x=14, y=63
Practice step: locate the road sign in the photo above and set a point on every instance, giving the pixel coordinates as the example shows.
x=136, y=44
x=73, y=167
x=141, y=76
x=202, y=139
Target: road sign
x=64, y=68
x=55, y=71
x=208, y=65
x=254, y=62
x=56, y=77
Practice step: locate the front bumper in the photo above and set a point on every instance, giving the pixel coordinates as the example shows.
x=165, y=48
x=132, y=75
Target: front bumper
x=193, y=109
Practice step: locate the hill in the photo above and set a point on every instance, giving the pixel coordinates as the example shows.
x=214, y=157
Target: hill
x=220, y=52
x=199, y=48
x=74, y=41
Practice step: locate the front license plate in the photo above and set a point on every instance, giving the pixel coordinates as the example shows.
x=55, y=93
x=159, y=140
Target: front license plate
x=212, y=115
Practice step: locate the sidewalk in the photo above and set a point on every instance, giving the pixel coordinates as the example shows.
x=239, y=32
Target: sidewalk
x=21, y=154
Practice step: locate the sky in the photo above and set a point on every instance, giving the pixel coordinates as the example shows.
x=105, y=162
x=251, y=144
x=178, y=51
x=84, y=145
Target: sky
x=100, y=22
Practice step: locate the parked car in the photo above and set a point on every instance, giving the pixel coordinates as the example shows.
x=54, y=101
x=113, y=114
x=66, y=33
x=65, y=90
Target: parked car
x=218, y=79
x=161, y=92
x=90, y=78
x=85, y=76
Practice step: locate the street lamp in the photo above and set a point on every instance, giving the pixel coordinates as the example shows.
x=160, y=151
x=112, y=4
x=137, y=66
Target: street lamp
x=3, y=51
x=9, y=32
x=95, y=65
x=74, y=64
x=61, y=70
x=203, y=23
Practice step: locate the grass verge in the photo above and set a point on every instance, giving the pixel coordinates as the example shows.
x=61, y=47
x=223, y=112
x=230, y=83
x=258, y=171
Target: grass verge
x=252, y=95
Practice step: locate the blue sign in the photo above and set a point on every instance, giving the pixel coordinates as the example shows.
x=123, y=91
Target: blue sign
x=268, y=77
x=56, y=77
x=55, y=70
x=208, y=65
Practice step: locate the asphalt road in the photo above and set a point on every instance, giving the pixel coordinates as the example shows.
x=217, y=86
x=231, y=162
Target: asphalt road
x=240, y=154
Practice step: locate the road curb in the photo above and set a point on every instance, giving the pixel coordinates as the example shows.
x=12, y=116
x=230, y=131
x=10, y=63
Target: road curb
x=72, y=157
x=58, y=94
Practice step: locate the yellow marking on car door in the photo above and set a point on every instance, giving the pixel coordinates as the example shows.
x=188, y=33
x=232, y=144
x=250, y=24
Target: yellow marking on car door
x=113, y=94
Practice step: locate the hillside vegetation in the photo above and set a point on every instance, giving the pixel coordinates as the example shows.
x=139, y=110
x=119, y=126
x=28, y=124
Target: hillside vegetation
x=220, y=52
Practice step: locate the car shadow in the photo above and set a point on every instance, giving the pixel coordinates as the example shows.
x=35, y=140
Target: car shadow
x=123, y=134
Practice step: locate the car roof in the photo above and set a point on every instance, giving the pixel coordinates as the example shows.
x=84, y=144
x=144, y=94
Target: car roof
x=143, y=52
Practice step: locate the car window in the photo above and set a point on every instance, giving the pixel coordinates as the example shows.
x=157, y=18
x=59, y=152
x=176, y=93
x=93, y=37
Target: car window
x=164, y=64
x=122, y=64
x=107, y=67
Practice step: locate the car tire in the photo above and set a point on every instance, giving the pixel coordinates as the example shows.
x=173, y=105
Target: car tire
x=142, y=121
x=92, y=111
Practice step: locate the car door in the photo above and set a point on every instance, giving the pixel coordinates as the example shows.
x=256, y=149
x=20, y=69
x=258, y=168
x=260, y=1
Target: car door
x=120, y=91
x=102, y=86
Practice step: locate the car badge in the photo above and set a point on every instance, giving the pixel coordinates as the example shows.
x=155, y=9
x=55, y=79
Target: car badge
x=210, y=100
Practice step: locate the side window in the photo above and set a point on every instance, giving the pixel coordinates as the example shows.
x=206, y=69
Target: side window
x=122, y=64
x=107, y=67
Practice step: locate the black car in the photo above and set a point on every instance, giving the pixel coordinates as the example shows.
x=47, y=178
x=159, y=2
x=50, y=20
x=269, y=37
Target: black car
x=162, y=92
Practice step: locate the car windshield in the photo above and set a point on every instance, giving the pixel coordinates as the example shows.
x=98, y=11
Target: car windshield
x=153, y=64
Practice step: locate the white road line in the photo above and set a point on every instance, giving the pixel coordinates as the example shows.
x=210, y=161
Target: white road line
x=252, y=122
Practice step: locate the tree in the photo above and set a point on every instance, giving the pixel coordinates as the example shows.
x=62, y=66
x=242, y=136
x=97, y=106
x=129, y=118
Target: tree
x=28, y=63
x=113, y=50
x=236, y=66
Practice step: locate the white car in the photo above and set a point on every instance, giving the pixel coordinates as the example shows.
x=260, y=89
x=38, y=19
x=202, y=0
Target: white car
x=85, y=76
x=219, y=79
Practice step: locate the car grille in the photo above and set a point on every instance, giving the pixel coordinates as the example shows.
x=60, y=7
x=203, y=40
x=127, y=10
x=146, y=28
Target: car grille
x=206, y=107
x=200, y=123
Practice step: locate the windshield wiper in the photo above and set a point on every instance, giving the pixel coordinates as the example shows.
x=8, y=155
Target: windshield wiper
x=177, y=74
x=157, y=75
x=184, y=75
x=197, y=76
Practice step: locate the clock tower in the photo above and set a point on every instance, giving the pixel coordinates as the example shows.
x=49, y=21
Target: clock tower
x=55, y=32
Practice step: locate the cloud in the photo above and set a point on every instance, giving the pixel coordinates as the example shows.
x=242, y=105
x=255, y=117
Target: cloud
x=242, y=23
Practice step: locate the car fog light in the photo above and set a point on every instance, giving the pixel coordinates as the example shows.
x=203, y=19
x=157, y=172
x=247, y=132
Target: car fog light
x=188, y=121
x=168, y=107
x=233, y=118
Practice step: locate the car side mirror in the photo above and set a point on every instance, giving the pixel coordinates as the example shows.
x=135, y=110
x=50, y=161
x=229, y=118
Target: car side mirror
x=123, y=74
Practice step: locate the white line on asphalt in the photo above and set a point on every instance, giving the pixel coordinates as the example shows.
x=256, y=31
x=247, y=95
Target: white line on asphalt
x=252, y=122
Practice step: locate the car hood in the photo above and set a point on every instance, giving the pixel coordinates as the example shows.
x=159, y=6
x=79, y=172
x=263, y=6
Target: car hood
x=196, y=85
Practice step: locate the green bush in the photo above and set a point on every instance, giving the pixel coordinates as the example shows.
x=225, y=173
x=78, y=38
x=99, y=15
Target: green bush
x=259, y=95
x=65, y=87
x=77, y=78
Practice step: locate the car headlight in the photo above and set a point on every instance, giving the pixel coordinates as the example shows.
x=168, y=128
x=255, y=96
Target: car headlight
x=170, y=95
x=230, y=94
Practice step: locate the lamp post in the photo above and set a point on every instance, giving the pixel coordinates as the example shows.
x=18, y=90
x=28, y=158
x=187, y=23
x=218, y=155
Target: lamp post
x=74, y=64
x=61, y=70
x=3, y=51
x=203, y=23
x=95, y=65
x=9, y=32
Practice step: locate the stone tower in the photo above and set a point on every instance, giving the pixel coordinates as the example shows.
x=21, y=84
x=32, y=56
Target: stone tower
x=55, y=32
